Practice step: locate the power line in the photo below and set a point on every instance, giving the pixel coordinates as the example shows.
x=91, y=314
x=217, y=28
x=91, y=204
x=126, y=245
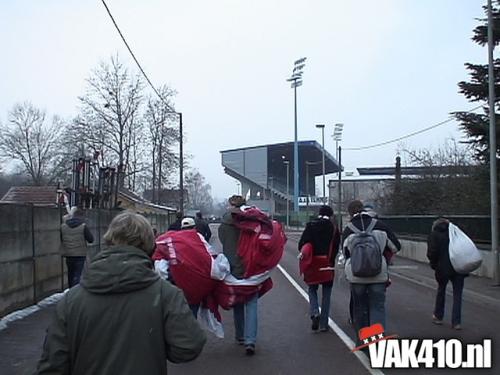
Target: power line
x=408, y=135
x=133, y=56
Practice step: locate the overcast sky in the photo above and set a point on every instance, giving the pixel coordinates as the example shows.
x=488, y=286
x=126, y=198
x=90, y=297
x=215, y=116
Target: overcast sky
x=384, y=68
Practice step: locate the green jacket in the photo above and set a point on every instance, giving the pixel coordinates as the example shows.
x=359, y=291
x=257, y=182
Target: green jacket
x=229, y=236
x=121, y=319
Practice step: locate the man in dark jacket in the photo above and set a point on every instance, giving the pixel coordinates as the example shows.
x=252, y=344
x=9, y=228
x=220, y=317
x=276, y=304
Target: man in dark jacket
x=439, y=259
x=245, y=314
x=324, y=237
x=122, y=318
x=74, y=237
x=368, y=293
x=203, y=227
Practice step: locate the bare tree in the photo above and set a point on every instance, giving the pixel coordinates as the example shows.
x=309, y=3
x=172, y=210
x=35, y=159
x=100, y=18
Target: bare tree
x=35, y=143
x=163, y=135
x=109, y=119
x=199, y=195
x=449, y=182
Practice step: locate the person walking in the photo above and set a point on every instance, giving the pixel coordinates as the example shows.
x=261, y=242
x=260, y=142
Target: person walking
x=74, y=238
x=439, y=260
x=364, y=241
x=324, y=237
x=203, y=227
x=122, y=318
x=245, y=314
x=176, y=225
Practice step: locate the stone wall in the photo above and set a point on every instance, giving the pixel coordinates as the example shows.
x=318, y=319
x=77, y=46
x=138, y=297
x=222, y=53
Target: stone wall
x=417, y=250
x=31, y=267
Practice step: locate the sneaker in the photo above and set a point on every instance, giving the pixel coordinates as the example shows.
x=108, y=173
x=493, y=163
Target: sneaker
x=250, y=349
x=240, y=341
x=437, y=321
x=458, y=327
x=323, y=329
x=315, y=322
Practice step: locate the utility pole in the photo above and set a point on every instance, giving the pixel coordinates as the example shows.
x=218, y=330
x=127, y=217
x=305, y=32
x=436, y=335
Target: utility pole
x=493, y=150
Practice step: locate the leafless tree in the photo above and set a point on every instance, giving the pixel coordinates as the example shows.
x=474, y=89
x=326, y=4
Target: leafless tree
x=109, y=121
x=163, y=136
x=29, y=139
x=199, y=193
x=450, y=182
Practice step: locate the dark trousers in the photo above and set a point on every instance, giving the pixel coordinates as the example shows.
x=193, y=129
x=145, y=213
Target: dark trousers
x=75, y=268
x=194, y=309
x=457, y=281
x=368, y=305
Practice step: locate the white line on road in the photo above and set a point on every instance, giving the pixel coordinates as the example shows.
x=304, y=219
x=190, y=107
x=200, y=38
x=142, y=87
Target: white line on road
x=403, y=267
x=340, y=333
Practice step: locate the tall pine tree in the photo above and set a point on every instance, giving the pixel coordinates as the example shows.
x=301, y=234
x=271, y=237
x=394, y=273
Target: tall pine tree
x=476, y=125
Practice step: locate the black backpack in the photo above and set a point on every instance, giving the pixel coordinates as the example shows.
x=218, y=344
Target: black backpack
x=366, y=255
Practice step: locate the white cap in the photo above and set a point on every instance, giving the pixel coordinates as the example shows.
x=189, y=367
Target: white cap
x=188, y=222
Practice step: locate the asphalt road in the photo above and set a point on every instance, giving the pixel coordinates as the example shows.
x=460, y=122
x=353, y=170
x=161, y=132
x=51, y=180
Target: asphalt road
x=285, y=343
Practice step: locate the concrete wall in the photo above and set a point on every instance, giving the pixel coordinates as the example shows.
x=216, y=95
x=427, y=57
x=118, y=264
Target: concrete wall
x=417, y=250
x=31, y=267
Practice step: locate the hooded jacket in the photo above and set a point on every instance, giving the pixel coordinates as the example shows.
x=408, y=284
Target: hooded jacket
x=229, y=236
x=438, y=249
x=386, y=239
x=121, y=319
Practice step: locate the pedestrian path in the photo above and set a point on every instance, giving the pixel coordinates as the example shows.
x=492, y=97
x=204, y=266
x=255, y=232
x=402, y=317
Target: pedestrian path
x=285, y=345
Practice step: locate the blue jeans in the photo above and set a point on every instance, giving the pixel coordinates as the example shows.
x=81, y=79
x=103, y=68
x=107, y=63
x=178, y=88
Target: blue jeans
x=368, y=304
x=457, y=281
x=75, y=268
x=245, y=320
x=325, y=302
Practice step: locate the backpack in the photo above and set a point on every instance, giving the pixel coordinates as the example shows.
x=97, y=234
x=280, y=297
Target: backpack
x=366, y=255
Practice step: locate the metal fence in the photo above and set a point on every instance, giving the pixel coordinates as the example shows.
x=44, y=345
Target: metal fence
x=477, y=227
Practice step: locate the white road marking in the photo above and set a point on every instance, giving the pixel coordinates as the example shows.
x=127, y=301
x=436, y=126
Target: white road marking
x=338, y=331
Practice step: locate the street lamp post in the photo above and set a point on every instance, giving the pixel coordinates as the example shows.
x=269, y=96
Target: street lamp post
x=337, y=136
x=322, y=127
x=296, y=81
x=181, y=164
x=287, y=163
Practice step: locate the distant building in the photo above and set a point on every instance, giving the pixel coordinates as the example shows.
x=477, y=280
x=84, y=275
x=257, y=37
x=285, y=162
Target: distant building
x=48, y=196
x=369, y=184
x=36, y=195
x=261, y=172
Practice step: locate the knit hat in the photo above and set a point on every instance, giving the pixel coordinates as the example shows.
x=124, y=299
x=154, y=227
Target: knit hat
x=325, y=211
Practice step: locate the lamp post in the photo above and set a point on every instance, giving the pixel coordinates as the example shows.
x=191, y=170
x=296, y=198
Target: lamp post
x=322, y=127
x=296, y=81
x=181, y=164
x=337, y=136
x=287, y=163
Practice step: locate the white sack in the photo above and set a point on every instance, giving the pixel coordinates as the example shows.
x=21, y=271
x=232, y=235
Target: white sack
x=211, y=324
x=161, y=268
x=464, y=255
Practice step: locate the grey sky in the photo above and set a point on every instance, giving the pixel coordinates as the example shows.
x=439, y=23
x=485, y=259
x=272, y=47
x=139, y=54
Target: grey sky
x=384, y=68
